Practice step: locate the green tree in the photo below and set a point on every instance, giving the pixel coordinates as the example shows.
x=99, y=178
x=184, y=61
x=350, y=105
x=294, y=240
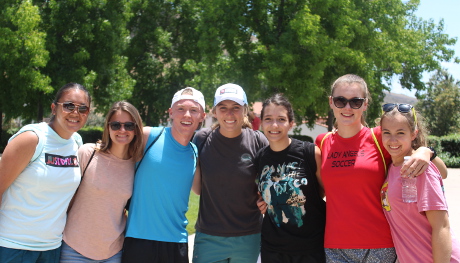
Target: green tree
x=299, y=47
x=22, y=57
x=163, y=40
x=86, y=40
x=440, y=105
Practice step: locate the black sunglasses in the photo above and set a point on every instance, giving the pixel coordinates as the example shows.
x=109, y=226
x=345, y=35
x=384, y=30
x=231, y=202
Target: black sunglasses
x=341, y=102
x=116, y=125
x=404, y=108
x=70, y=107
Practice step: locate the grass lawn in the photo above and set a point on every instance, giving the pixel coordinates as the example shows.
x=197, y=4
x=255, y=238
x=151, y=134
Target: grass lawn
x=192, y=213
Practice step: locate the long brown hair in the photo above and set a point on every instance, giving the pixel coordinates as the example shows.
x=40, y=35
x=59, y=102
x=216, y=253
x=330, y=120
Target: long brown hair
x=136, y=146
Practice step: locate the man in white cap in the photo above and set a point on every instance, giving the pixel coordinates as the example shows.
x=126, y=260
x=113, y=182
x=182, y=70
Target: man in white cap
x=156, y=222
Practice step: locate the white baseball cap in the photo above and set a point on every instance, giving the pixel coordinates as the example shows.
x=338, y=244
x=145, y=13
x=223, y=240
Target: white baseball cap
x=196, y=96
x=232, y=92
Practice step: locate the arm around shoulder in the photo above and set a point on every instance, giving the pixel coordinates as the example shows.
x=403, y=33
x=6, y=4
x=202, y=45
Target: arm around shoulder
x=318, y=170
x=146, y=133
x=441, y=167
x=418, y=163
x=196, y=186
x=15, y=158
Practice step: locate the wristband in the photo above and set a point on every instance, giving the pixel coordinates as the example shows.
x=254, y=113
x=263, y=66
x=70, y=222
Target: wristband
x=434, y=153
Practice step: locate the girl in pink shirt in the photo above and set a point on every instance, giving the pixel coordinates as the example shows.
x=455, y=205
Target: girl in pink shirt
x=420, y=230
x=96, y=220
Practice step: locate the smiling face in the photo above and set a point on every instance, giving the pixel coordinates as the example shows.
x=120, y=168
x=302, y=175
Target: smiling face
x=348, y=116
x=185, y=116
x=121, y=137
x=66, y=123
x=276, y=124
x=397, y=137
x=230, y=116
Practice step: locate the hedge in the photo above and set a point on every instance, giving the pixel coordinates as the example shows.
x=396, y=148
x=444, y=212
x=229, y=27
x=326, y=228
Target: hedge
x=91, y=134
x=448, y=149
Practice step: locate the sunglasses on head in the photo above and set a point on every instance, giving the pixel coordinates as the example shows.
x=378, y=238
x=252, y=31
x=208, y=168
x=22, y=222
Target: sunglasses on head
x=403, y=108
x=341, y=102
x=70, y=107
x=116, y=125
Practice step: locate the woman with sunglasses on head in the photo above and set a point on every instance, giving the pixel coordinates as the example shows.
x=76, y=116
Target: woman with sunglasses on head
x=39, y=173
x=289, y=182
x=420, y=229
x=96, y=218
x=352, y=171
x=228, y=224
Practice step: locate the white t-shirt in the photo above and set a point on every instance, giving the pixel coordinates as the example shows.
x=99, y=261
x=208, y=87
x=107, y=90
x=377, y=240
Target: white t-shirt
x=33, y=208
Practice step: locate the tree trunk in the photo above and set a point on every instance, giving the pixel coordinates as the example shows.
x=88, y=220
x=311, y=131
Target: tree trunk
x=40, y=112
x=1, y=127
x=330, y=120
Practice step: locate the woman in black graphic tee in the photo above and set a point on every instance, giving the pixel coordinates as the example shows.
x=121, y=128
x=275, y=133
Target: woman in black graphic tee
x=289, y=182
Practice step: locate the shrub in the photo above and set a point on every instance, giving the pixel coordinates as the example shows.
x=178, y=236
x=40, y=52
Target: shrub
x=6, y=135
x=448, y=149
x=451, y=144
x=91, y=134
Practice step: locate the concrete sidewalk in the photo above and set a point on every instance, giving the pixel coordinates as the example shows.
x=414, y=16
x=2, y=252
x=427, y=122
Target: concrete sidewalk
x=452, y=191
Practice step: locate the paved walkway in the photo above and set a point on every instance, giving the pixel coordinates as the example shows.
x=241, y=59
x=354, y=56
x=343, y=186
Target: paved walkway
x=452, y=191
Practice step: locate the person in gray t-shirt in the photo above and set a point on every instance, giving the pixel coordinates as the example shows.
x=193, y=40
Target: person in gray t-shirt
x=229, y=221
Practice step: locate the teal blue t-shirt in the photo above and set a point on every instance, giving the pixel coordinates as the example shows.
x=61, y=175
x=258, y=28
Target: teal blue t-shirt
x=161, y=190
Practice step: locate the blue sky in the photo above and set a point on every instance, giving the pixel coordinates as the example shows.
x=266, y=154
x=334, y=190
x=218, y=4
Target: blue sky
x=449, y=10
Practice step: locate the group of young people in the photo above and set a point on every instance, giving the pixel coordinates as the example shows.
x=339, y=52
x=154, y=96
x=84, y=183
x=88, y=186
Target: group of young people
x=124, y=198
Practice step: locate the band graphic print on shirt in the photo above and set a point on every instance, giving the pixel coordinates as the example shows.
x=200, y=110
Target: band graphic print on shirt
x=280, y=188
x=61, y=161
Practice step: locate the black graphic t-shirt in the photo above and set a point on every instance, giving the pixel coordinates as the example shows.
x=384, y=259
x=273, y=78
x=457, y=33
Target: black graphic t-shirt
x=295, y=219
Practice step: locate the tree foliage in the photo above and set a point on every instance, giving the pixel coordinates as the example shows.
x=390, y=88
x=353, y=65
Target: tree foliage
x=299, y=47
x=86, y=40
x=440, y=105
x=23, y=57
x=163, y=39
x=145, y=50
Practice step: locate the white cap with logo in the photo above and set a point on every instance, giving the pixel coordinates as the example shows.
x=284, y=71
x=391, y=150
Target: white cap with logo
x=196, y=96
x=232, y=92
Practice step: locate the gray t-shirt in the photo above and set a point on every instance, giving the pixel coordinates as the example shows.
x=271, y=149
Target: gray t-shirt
x=229, y=191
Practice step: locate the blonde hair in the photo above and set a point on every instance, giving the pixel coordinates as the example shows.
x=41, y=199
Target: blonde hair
x=136, y=146
x=349, y=79
x=246, y=122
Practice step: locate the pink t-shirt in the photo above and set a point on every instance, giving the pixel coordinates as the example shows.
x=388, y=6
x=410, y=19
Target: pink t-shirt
x=409, y=225
x=96, y=221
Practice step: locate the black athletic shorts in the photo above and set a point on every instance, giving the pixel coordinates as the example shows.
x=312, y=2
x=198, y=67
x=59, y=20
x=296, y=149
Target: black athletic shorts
x=137, y=250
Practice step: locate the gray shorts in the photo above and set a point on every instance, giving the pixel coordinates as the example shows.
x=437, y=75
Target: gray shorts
x=375, y=255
